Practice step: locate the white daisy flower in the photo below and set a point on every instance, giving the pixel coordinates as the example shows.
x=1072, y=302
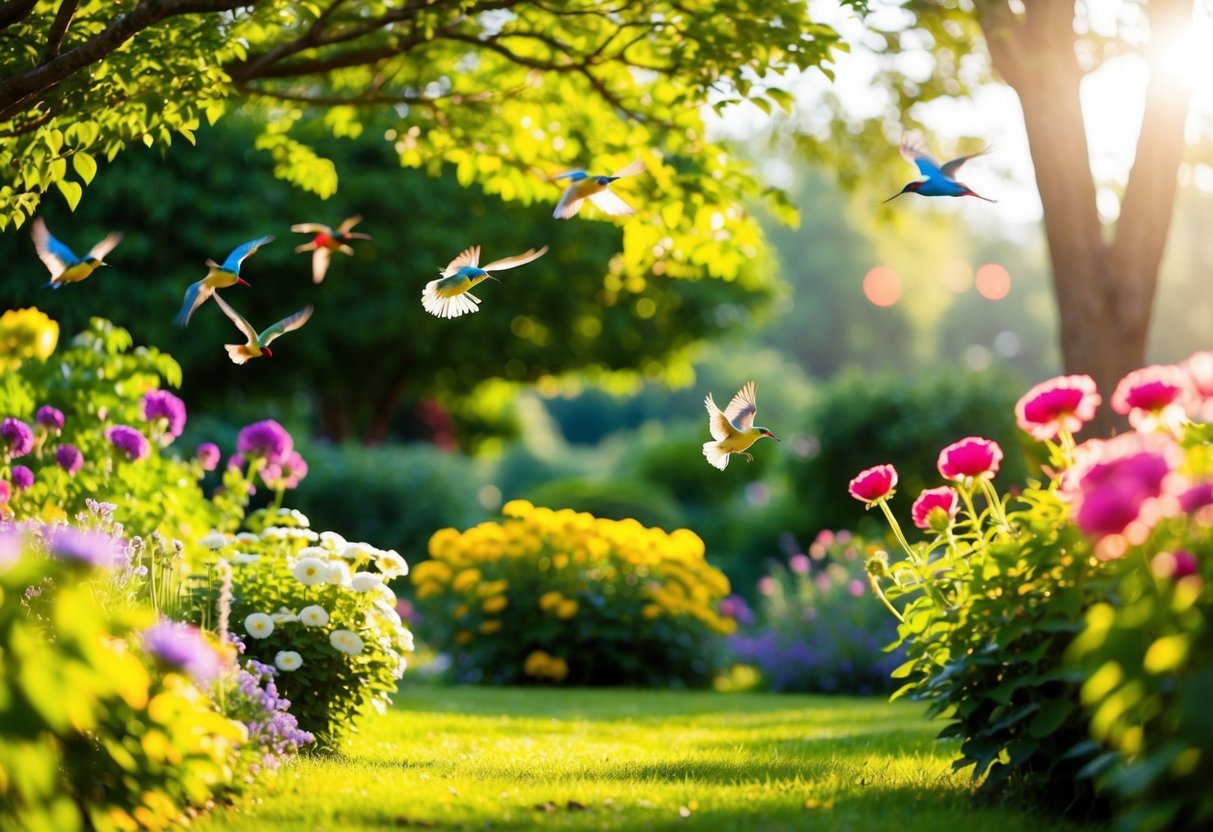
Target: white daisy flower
x=314, y=552
x=332, y=540
x=346, y=641
x=288, y=660
x=274, y=533
x=364, y=581
x=283, y=616
x=314, y=616
x=310, y=571
x=247, y=537
x=258, y=625
x=300, y=517
x=385, y=594
x=339, y=574
x=215, y=540
x=391, y=564
x=242, y=558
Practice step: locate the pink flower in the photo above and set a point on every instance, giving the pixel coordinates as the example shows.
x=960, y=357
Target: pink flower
x=799, y=564
x=766, y=585
x=1153, y=396
x=873, y=484
x=1196, y=497
x=1122, y=484
x=1177, y=564
x=856, y=587
x=970, y=457
x=935, y=508
x=1199, y=368
x=1062, y=403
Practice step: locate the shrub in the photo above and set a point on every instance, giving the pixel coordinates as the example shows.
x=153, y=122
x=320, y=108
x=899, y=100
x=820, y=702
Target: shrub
x=613, y=499
x=317, y=608
x=817, y=626
x=395, y=495
x=1065, y=633
x=859, y=421
x=103, y=728
x=566, y=597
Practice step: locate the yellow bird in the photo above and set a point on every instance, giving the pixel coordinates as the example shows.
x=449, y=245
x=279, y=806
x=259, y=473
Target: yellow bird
x=259, y=344
x=597, y=189
x=449, y=296
x=63, y=264
x=733, y=431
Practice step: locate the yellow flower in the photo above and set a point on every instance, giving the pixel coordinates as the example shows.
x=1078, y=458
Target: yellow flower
x=428, y=590
x=443, y=542
x=542, y=666
x=460, y=611
x=651, y=611
x=494, y=605
x=490, y=626
x=517, y=508
x=566, y=610
x=463, y=637
x=560, y=561
x=465, y=580
x=431, y=570
x=549, y=600
x=26, y=333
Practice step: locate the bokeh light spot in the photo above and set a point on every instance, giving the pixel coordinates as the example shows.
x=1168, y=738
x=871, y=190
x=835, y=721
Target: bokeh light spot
x=882, y=286
x=993, y=282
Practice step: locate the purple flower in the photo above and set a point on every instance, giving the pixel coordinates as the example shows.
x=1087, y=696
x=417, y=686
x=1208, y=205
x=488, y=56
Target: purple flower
x=1196, y=497
x=22, y=477
x=266, y=439
x=735, y=607
x=236, y=461
x=286, y=474
x=69, y=458
x=89, y=547
x=128, y=440
x=185, y=647
x=6, y=492
x=16, y=438
x=208, y=455
x=161, y=404
x=799, y=563
x=50, y=418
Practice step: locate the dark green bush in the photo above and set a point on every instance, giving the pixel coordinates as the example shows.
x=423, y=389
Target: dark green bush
x=860, y=421
x=613, y=499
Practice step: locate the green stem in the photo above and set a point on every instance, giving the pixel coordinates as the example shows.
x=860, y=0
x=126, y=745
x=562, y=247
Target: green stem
x=987, y=488
x=875, y=584
x=901, y=538
x=278, y=495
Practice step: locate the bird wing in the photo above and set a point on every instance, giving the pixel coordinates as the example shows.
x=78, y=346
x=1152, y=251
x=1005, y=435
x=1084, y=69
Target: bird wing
x=949, y=168
x=320, y=263
x=718, y=423
x=631, y=170
x=106, y=246
x=912, y=153
x=569, y=204
x=575, y=175
x=288, y=324
x=195, y=296
x=470, y=256
x=742, y=408
x=236, y=318
x=517, y=260
x=609, y=203
x=242, y=252
x=53, y=254
x=349, y=223
x=311, y=228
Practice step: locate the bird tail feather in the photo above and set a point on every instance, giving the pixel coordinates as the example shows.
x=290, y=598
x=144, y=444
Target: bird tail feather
x=239, y=353
x=717, y=456
x=448, y=307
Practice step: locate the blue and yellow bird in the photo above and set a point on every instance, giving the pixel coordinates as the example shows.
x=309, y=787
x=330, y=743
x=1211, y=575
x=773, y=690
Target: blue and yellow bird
x=218, y=277
x=597, y=189
x=258, y=343
x=940, y=179
x=63, y=264
x=449, y=296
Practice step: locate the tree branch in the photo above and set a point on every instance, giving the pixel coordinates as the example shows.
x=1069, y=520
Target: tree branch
x=19, y=92
x=58, y=30
x=14, y=11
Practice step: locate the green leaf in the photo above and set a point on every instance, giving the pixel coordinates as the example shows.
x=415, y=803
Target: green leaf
x=1050, y=717
x=72, y=191
x=85, y=166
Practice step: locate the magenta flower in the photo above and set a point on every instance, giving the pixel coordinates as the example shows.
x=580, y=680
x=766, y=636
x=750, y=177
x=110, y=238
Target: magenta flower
x=1196, y=497
x=208, y=455
x=50, y=418
x=1062, y=403
x=184, y=647
x=87, y=547
x=1153, y=396
x=129, y=441
x=935, y=508
x=16, y=438
x=1178, y=564
x=872, y=484
x=285, y=474
x=266, y=439
x=970, y=457
x=799, y=564
x=736, y=608
x=162, y=405
x=6, y=492
x=69, y=458
x=22, y=477
x=1118, y=483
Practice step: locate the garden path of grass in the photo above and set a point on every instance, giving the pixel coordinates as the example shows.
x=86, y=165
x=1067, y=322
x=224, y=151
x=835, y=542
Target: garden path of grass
x=505, y=759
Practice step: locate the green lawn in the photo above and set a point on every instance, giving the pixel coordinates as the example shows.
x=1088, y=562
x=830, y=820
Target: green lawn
x=472, y=758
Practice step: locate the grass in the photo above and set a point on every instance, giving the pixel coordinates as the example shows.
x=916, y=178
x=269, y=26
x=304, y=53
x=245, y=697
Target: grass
x=505, y=759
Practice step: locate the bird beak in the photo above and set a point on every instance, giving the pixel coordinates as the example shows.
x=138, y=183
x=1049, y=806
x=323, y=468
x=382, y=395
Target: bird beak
x=103, y=263
x=893, y=197
x=240, y=281
x=776, y=438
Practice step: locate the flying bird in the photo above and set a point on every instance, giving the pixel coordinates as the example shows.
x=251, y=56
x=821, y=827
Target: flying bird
x=218, y=277
x=259, y=344
x=733, y=430
x=940, y=179
x=597, y=189
x=449, y=295
x=326, y=241
x=63, y=264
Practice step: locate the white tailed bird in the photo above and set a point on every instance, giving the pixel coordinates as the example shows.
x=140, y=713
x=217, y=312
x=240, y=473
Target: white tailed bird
x=597, y=189
x=733, y=430
x=449, y=295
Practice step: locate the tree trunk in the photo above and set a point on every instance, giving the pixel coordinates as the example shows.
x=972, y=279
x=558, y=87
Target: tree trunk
x=1104, y=290
x=334, y=418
